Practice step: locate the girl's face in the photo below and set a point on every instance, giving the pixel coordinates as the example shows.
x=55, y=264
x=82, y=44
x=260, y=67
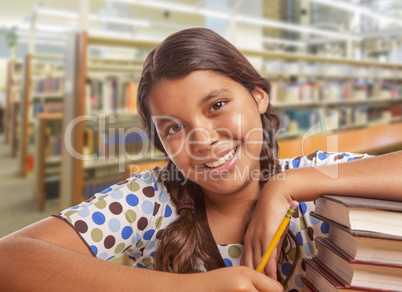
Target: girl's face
x=210, y=127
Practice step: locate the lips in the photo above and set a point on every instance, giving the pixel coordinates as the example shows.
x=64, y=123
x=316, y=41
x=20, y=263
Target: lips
x=218, y=156
x=228, y=165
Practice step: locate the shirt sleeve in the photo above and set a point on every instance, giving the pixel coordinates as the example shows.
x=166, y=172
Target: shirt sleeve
x=124, y=218
x=320, y=158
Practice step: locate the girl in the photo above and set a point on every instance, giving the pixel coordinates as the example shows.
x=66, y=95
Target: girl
x=216, y=203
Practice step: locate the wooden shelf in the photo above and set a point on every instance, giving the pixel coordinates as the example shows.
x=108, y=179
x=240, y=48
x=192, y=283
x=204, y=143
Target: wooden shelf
x=362, y=101
x=109, y=162
x=47, y=95
x=120, y=42
x=336, y=103
x=15, y=124
x=301, y=104
x=80, y=67
x=47, y=57
x=31, y=64
x=316, y=59
x=53, y=160
x=114, y=68
x=41, y=161
x=371, y=140
x=14, y=78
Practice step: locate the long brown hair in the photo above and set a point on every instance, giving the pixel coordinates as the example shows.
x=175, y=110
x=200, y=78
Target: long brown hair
x=181, y=246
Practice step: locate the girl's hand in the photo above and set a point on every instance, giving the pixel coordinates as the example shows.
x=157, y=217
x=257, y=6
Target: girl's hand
x=236, y=279
x=272, y=205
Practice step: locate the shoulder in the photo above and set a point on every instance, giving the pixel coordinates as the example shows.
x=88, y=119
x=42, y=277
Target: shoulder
x=320, y=158
x=128, y=215
x=147, y=186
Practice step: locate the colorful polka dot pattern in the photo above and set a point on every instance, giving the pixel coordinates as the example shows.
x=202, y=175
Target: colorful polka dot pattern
x=125, y=217
x=130, y=216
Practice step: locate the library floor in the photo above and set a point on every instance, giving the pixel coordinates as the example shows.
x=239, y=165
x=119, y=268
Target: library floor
x=17, y=207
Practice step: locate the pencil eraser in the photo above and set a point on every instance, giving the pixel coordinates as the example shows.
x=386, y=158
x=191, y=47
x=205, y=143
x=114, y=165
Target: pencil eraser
x=294, y=204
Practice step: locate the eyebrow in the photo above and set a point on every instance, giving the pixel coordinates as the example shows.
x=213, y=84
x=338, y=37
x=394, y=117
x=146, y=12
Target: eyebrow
x=211, y=95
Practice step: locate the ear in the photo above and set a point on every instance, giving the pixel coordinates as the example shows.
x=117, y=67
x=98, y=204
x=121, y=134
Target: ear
x=261, y=98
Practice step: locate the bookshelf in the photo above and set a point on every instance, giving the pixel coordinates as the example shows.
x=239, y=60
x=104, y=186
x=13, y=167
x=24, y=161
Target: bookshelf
x=105, y=89
x=13, y=92
x=312, y=72
x=48, y=141
x=15, y=106
x=43, y=86
x=306, y=89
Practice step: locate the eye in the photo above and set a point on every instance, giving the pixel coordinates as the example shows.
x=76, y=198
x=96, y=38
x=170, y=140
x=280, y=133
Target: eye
x=216, y=106
x=173, y=129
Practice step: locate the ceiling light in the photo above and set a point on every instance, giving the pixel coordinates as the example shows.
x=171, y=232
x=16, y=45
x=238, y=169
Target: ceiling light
x=250, y=20
x=199, y=11
x=133, y=22
x=56, y=12
x=283, y=42
x=43, y=42
x=298, y=28
x=41, y=34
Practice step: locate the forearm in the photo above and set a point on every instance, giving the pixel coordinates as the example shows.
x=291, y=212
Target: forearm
x=376, y=177
x=47, y=267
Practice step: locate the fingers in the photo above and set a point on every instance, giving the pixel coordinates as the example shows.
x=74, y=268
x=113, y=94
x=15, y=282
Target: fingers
x=257, y=254
x=271, y=267
x=260, y=250
x=247, y=258
x=265, y=284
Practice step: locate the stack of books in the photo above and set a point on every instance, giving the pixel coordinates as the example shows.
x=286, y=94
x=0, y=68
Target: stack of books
x=363, y=251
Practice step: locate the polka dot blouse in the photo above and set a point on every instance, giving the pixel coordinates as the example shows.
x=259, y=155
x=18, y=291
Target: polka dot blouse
x=128, y=217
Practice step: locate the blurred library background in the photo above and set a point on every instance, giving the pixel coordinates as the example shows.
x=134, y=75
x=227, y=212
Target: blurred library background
x=335, y=69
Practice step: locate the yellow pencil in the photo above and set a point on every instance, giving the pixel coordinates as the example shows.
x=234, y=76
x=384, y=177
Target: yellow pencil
x=277, y=236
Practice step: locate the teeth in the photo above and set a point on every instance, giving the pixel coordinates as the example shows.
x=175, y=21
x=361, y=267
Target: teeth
x=222, y=160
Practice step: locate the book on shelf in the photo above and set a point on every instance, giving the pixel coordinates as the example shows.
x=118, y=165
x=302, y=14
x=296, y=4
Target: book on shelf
x=362, y=213
x=359, y=115
x=112, y=145
x=336, y=91
x=362, y=90
x=52, y=187
x=389, y=91
x=48, y=85
x=274, y=92
x=53, y=142
x=305, y=119
x=351, y=116
x=111, y=95
x=305, y=92
x=396, y=111
x=99, y=178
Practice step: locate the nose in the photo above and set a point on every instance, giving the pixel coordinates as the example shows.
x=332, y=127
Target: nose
x=201, y=138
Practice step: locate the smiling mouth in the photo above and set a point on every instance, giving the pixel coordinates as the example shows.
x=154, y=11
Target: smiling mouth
x=227, y=157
